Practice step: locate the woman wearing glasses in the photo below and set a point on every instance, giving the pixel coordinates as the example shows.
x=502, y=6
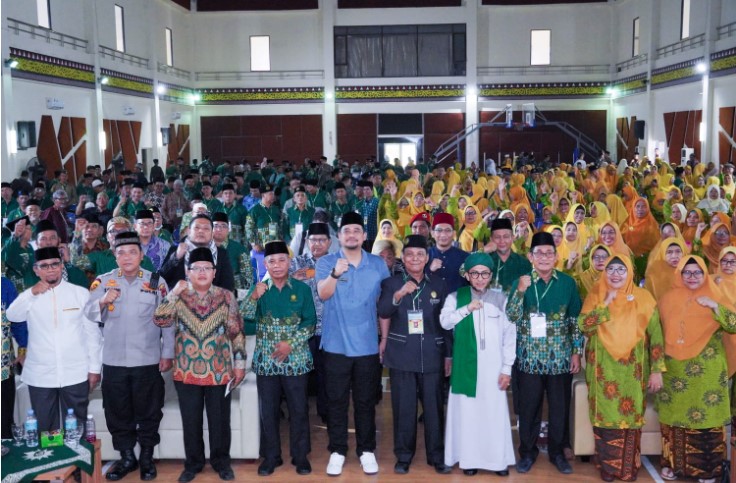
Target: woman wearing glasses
x=693, y=405
x=625, y=341
x=478, y=434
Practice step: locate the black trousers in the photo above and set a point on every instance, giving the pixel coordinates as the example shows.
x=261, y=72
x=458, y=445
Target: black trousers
x=360, y=375
x=7, y=399
x=50, y=402
x=532, y=388
x=133, y=398
x=317, y=376
x=407, y=388
x=294, y=389
x=193, y=400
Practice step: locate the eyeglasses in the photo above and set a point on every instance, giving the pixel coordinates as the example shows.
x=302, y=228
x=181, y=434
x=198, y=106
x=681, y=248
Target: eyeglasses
x=220, y=226
x=544, y=254
x=692, y=273
x=608, y=232
x=48, y=266
x=145, y=223
x=728, y=263
x=616, y=270
x=483, y=275
x=201, y=269
x=600, y=258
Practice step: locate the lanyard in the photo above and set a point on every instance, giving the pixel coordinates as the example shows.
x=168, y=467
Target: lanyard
x=417, y=294
x=539, y=300
x=499, y=267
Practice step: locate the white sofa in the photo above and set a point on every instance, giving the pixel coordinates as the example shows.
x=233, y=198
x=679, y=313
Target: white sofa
x=244, y=419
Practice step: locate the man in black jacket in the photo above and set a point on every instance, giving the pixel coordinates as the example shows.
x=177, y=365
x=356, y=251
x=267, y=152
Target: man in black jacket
x=200, y=235
x=414, y=347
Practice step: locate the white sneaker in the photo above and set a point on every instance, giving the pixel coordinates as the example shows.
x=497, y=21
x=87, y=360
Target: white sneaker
x=334, y=466
x=369, y=463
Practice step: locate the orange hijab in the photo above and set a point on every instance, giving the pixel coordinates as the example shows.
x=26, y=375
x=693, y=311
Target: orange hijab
x=629, y=312
x=619, y=214
x=659, y=274
x=656, y=254
x=712, y=250
x=687, y=325
x=619, y=247
x=688, y=232
x=726, y=282
x=641, y=234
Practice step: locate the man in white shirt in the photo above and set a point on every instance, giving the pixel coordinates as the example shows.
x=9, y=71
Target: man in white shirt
x=64, y=358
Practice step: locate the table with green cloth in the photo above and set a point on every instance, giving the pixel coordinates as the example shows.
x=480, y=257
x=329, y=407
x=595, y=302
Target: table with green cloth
x=24, y=464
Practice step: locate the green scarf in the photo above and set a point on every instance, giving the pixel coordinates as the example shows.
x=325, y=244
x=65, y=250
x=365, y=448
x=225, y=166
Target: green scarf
x=464, y=350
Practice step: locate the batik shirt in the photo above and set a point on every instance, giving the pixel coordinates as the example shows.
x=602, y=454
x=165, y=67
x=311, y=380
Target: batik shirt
x=310, y=263
x=560, y=302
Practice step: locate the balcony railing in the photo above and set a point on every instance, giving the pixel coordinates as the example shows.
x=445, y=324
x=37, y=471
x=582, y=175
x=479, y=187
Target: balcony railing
x=50, y=36
x=108, y=53
x=632, y=62
x=725, y=31
x=681, y=46
x=171, y=70
x=271, y=75
x=543, y=70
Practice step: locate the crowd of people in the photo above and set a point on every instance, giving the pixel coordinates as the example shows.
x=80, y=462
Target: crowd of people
x=463, y=283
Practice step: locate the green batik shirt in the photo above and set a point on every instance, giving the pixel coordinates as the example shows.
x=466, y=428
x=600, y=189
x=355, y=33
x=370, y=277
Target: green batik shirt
x=129, y=209
x=240, y=261
x=508, y=272
x=294, y=216
x=695, y=391
x=214, y=205
x=284, y=315
x=98, y=263
x=263, y=225
x=237, y=216
x=338, y=210
x=560, y=301
x=317, y=200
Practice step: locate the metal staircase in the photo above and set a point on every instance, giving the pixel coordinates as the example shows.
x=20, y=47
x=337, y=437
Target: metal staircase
x=583, y=142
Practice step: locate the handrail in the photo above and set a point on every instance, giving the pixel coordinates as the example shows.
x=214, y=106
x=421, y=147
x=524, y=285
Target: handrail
x=632, y=62
x=176, y=72
x=681, y=46
x=123, y=57
x=274, y=74
x=544, y=69
x=51, y=36
x=725, y=31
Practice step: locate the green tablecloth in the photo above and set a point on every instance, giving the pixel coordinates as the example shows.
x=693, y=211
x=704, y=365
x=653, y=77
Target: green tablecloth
x=23, y=463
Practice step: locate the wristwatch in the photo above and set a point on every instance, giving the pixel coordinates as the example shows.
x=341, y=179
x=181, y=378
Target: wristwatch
x=334, y=275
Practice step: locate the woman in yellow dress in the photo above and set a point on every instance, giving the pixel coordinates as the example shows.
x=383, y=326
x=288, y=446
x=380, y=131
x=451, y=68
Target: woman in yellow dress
x=661, y=272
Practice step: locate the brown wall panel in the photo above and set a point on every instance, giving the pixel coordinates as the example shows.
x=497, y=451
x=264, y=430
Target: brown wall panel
x=439, y=127
x=107, y=128
x=357, y=136
x=253, y=137
x=727, y=121
x=682, y=129
x=48, y=147
x=625, y=129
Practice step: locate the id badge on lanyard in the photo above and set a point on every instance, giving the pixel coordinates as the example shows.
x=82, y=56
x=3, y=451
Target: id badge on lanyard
x=539, y=325
x=273, y=230
x=416, y=321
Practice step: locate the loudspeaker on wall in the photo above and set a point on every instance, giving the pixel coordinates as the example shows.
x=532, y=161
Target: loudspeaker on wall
x=639, y=129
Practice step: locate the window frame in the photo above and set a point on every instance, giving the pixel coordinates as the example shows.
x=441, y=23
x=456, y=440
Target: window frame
x=119, y=33
x=531, y=47
x=47, y=4
x=250, y=45
x=169, y=43
x=636, y=37
x=685, y=10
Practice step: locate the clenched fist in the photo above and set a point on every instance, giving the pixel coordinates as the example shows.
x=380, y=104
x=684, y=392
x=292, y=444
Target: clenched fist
x=258, y=291
x=341, y=266
x=525, y=281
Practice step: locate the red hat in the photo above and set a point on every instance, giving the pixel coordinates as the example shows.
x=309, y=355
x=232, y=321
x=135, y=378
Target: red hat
x=423, y=216
x=441, y=218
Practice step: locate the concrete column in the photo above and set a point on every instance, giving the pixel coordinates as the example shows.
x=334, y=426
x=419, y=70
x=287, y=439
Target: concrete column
x=9, y=138
x=472, y=142
x=329, y=113
x=708, y=152
x=95, y=153
x=654, y=27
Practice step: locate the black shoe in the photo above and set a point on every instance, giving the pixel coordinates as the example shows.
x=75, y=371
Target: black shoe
x=148, y=468
x=502, y=473
x=187, y=476
x=524, y=465
x=123, y=466
x=77, y=475
x=401, y=468
x=470, y=472
x=562, y=465
x=226, y=474
x=442, y=468
x=268, y=466
x=303, y=467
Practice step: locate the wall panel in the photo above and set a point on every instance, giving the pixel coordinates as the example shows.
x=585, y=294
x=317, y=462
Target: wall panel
x=727, y=135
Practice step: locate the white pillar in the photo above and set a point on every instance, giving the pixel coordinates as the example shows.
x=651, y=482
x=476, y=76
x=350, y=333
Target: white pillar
x=95, y=154
x=9, y=138
x=472, y=142
x=709, y=117
x=654, y=28
x=329, y=113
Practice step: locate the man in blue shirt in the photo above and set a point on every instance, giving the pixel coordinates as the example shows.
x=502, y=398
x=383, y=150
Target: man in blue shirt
x=445, y=259
x=349, y=283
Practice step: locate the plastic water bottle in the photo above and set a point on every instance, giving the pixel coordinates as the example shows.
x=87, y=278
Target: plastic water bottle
x=90, y=430
x=31, y=427
x=70, y=425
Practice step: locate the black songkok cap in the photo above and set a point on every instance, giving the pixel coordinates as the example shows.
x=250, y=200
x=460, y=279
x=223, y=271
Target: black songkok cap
x=127, y=238
x=319, y=229
x=201, y=254
x=47, y=253
x=541, y=239
x=415, y=241
x=275, y=247
x=501, y=224
x=351, y=218
x=220, y=216
x=144, y=215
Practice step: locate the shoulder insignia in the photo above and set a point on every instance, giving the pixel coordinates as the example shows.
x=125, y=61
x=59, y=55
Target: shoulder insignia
x=95, y=284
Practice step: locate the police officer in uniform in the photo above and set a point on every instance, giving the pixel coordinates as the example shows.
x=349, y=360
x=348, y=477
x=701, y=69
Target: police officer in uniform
x=135, y=353
x=414, y=347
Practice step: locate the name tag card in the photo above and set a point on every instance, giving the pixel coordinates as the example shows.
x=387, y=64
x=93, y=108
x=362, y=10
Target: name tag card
x=416, y=322
x=273, y=229
x=539, y=325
